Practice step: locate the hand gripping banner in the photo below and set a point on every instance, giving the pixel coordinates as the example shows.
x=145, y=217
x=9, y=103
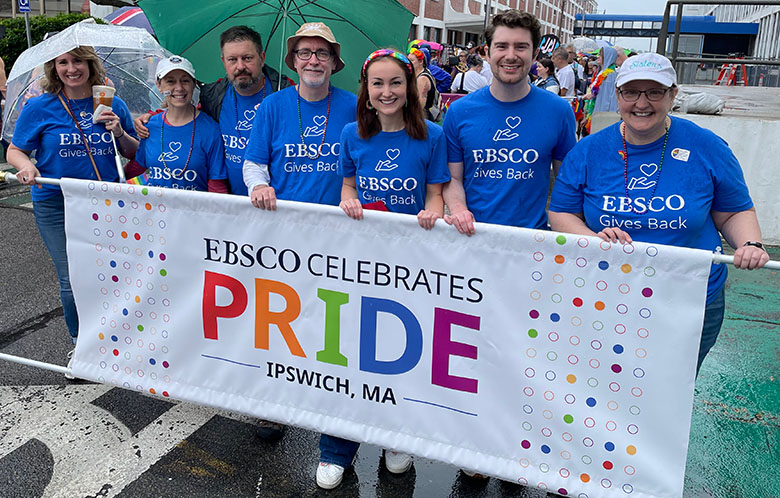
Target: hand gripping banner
x=551, y=360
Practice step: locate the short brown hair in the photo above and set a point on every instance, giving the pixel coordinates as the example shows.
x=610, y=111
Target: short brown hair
x=414, y=117
x=515, y=19
x=51, y=83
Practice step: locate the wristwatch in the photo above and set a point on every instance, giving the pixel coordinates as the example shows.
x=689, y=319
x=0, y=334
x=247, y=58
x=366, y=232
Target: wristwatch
x=754, y=244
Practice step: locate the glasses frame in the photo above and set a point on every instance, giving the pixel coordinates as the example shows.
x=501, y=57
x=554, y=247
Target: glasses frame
x=647, y=95
x=329, y=54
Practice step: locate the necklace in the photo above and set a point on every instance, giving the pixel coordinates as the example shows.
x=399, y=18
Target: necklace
x=625, y=166
x=235, y=105
x=82, y=113
x=300, y=124
x=162, y=142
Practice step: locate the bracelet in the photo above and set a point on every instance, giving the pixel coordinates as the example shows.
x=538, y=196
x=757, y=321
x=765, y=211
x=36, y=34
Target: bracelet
x=123, y=133
x=754, y=244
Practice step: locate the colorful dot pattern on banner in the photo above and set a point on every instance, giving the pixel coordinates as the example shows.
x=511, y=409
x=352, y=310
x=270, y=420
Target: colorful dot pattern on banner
x=128, y=234
x=584, y=341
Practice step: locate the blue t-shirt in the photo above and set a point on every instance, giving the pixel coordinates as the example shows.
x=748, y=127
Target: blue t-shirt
x=44, y=126
x=235, y=122
x=393, y=167
x=507, y=149
x=166, y=163
x=276, y=141
x=699, y=174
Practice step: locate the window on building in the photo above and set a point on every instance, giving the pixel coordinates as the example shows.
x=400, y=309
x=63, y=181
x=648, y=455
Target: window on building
x=647, y=25
x=413, y=32
x=628, y=25
x=436, y=35
x=427, y=33
x=657, y=25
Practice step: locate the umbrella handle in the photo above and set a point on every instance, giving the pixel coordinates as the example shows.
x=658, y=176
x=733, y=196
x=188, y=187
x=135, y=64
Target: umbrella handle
x=118, y=161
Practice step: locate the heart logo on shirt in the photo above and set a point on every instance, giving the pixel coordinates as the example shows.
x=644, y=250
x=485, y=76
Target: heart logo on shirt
x=649, y=169
x=174, y=146
x=513, y=121
x=249, y=115
x=393, y=153
x=319, y=120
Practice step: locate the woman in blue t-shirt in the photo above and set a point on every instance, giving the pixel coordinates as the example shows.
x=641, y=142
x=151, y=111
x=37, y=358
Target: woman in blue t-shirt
x=184, y=149
x=392, y=157
x=58, y=126
x=655, y=178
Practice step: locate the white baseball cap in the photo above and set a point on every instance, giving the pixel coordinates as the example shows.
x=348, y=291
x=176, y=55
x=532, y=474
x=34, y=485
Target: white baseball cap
x=173, y=63
x=648, y=66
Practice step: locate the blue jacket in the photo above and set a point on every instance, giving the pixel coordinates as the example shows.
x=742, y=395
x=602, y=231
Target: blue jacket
x=443, y=80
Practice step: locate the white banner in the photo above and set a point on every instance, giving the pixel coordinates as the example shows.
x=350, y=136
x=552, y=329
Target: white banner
x=552, y=360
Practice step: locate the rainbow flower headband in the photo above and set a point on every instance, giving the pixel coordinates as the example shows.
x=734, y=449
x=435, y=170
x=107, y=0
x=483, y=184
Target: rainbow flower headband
x=386, y=52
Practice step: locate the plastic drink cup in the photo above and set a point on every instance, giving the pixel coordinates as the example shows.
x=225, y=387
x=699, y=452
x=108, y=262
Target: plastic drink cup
x=102, y=95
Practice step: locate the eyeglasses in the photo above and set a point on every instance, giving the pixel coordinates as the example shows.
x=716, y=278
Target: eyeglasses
x=305, y=54
x=653, y=95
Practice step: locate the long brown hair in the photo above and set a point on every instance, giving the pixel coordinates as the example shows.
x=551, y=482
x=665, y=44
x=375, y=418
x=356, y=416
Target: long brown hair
x=414, y=117
x=51, y=83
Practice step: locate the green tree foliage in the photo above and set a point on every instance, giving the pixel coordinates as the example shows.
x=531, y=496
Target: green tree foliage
x=15, y=40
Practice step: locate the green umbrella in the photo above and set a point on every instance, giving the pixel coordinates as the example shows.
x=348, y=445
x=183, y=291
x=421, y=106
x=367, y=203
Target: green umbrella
x=191, y=28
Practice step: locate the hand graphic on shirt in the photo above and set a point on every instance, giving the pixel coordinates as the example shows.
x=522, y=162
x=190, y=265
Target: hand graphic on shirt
x=640, y=183
x=313, y=131
x=385, y=166
x=504, y=135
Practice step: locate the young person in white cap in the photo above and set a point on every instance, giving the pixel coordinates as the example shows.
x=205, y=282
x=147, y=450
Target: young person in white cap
x=657, y=178
x=232, y=101
x=184, y=149
x=294, y=146
x=293, y=149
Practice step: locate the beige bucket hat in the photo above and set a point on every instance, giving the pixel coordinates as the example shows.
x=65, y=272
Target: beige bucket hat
x=311, y=29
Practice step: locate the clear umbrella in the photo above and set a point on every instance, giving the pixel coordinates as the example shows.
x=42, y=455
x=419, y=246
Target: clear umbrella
x=584, y=45
x=130, y=56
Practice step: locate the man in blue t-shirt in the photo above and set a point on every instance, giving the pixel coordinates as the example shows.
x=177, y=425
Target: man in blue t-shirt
x=233, y=101
x=294, y=147
x=502, y=140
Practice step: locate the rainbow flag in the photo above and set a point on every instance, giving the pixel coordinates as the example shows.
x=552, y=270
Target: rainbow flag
x=142, y=179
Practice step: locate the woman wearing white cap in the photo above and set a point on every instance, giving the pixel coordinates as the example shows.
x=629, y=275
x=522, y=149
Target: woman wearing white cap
x=657, y=178
x=184, y=149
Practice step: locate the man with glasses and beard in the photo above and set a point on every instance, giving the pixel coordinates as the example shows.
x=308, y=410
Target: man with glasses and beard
x=233, y=101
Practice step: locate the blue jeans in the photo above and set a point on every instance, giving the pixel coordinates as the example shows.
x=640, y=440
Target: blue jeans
x=336, y=450
x=50, y=219
x=713, y=319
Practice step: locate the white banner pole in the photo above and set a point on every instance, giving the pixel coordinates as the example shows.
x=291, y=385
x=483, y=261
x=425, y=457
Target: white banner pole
x=34, y=363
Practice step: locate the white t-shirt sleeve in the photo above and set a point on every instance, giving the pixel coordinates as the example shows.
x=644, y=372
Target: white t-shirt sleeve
x=566, y=79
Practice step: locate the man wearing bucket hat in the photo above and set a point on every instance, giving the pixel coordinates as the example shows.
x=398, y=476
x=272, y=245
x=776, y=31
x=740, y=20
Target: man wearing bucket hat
x=294, y=146
x=663, y=179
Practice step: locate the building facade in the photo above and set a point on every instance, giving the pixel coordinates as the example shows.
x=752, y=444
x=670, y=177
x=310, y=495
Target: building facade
x=767, y=44
x=457, y=22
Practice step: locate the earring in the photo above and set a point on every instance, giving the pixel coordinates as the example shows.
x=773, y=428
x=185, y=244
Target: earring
x=369, y=106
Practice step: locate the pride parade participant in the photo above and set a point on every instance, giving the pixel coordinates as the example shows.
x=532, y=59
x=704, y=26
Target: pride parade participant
x=294, y=145
x=390, y=143
x=657, y=178
x=58, y=126
x=233, y=101
x=184, y=149
x=504, y=138
x=426, y=83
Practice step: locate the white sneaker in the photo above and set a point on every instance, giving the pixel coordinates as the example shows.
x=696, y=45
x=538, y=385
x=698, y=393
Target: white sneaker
x=396, y=462
x=329, y=475
x=69, y=375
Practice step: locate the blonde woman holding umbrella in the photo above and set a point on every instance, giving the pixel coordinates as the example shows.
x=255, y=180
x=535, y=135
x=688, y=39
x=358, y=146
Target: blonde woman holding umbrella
x=58, y=126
